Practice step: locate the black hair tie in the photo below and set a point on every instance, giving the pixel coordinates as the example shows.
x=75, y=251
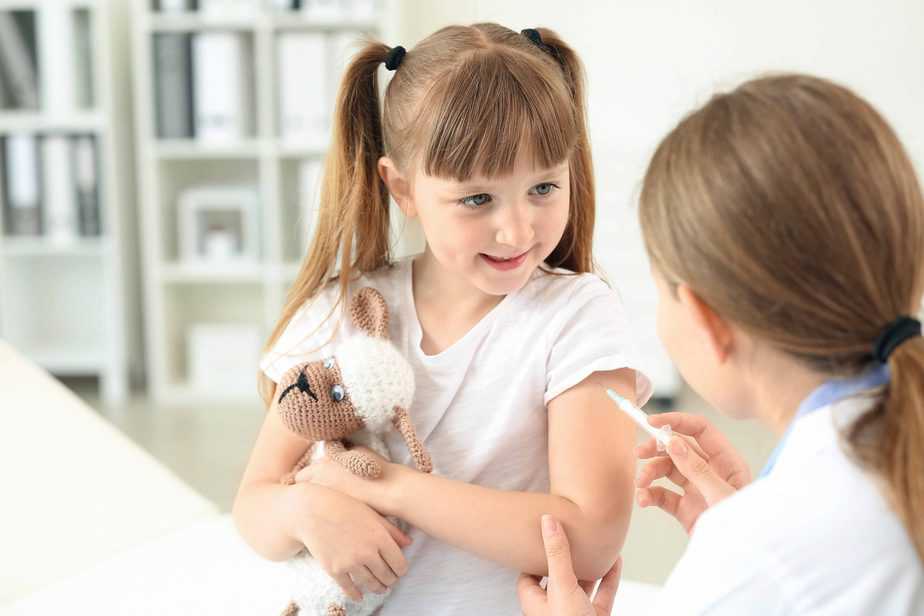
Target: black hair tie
x=897, y=332
x=533, y=35
x=394, y=57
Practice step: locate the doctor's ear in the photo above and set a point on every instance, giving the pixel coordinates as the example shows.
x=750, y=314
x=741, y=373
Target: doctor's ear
x=398, y=186
x=717, y=332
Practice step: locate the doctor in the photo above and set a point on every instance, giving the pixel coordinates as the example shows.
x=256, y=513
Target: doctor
x=785, y=227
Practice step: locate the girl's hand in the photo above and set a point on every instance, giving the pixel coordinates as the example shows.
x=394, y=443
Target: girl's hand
x=356, y=546
x=564, y=594
x=699, y=460
x=331, y=474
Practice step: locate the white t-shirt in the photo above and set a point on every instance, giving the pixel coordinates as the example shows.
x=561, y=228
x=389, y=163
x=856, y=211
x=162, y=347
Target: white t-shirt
x=480, y=407
x=815, y=536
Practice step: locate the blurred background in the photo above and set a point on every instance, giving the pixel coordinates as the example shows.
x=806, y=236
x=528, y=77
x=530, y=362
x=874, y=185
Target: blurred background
x=159, y=165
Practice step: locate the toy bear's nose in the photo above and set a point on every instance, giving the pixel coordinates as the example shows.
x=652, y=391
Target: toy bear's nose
x=302, y=384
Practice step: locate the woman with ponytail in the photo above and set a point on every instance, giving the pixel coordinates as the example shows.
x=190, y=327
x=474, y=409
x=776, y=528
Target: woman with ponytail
x=481, y=136
x=785, y=226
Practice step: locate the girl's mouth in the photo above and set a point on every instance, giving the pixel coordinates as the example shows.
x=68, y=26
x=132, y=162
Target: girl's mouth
x=505, y=264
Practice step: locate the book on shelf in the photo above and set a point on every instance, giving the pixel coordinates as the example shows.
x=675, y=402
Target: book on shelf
x=83, y=62
x=21, y=172
x=174, y=96
x=304, y=102
x=223, y=86
x=60, y=221
x=56, y=51
x=176, y=6
x=51, y=186
x=86, y=184
x=18, y=60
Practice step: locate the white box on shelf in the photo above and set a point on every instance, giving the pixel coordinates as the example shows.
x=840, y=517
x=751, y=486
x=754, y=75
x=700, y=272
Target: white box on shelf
x=223, y=86
x=56, y=54
x=304, y=102
x=323, y=11
x=219, y=224
x=221, y=358
x=229, y=8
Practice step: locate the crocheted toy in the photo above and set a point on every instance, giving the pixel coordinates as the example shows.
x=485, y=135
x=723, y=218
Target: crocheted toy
x=359, y=394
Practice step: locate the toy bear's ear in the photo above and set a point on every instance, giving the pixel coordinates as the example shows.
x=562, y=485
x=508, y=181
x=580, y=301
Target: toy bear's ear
x=370, y=313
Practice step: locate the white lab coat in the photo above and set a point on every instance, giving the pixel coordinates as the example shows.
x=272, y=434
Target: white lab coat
x=816, y=536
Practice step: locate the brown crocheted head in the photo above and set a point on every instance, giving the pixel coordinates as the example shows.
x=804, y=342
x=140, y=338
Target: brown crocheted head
x=314, y=401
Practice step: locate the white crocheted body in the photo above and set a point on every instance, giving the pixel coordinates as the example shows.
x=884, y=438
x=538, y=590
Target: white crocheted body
x=313, y=590
x=377, y=378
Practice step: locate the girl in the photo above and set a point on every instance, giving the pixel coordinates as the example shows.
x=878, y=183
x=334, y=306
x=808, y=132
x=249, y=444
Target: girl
x=785, y=227
x=482, y=137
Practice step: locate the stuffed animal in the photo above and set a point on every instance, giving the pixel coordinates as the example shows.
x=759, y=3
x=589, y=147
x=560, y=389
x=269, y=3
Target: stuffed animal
x=359, y=394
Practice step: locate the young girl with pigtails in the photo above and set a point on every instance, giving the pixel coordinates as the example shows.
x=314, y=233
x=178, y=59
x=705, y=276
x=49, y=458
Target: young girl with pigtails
x=482, y=137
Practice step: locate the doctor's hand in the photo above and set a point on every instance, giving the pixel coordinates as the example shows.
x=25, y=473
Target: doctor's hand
x=699, y=460
x=564, y=594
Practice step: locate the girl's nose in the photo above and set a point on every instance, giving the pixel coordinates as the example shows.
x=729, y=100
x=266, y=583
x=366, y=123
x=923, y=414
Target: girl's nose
x=515, y=226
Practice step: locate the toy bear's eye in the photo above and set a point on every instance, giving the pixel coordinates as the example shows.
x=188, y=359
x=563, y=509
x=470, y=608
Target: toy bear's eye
x=329, y=363
x=337, y=393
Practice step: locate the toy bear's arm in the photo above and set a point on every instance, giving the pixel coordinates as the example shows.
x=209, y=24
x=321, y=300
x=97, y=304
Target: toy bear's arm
x=289, y=478
x=402, y=423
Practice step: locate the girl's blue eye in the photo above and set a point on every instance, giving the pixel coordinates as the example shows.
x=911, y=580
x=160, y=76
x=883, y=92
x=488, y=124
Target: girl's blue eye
x=475, y=201
x=544, y=189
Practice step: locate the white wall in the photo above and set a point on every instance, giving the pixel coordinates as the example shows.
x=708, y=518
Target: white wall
x=650, y=62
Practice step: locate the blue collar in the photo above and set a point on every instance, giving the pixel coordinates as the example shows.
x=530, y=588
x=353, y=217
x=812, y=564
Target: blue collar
x=825, y=395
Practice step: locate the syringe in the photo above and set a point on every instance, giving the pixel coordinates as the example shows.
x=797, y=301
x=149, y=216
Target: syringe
x=661, y=435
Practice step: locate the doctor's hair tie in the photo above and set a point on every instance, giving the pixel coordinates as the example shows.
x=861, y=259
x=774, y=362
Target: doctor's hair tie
x=533, y=35
x=894, y=335
x=394, y=57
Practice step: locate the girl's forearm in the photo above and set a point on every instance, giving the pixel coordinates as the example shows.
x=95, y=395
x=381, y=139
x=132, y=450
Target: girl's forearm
x=503, y=526
x=262, y=513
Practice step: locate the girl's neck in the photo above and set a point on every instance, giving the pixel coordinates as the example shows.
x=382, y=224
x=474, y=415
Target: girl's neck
x=446, y=292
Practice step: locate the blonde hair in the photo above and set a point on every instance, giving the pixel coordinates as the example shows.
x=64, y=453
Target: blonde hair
x=790, y=206
x=463, y=101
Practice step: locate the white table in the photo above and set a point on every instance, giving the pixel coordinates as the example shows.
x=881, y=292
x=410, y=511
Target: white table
x=75, y=490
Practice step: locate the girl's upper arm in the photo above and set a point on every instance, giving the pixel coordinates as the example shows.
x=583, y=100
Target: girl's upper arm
x=275, y=451
x=591, y=458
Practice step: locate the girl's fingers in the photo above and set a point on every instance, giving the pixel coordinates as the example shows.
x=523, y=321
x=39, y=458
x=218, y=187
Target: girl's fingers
x=349, y=588
x=606, y=592
x=394, y=558
x=383, y=572
x=364, y=579
x=400, y=538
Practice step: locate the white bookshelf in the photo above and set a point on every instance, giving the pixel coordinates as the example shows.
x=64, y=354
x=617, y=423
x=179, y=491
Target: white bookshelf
x=72, y=306
x=180, y=294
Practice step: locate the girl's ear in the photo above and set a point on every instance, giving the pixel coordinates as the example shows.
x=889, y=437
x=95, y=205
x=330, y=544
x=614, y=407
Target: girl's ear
x=716, y=330
x=369, y=312
x=398, y=186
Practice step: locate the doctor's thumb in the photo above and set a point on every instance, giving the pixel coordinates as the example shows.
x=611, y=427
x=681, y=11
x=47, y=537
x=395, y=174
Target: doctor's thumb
x=698, y=471
x=558, y=554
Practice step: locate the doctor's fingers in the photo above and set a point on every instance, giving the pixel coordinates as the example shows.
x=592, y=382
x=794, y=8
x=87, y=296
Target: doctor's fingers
x=710, y=440
x=649, y=449
x=658, y=468
x=699, y=472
